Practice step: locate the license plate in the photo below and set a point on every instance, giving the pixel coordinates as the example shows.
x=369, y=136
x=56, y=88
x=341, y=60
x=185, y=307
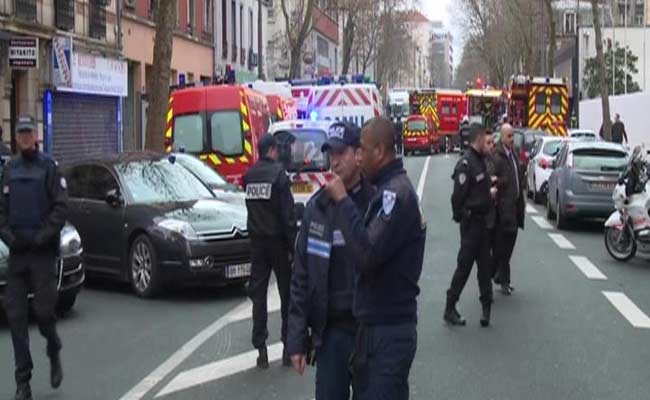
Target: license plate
x=602, y=187
x=238, y=271
x=301, y=187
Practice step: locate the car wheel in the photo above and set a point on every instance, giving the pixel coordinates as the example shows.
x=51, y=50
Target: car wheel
x=549, y=209
x=65, y=303
x=143, y=267
x=560, y=217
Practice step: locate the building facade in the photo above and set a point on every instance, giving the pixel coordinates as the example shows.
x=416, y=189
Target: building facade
x=441, y=57
x=60, y=63
x=418, y=71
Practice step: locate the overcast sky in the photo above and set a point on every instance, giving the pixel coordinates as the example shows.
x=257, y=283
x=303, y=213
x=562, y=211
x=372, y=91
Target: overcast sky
x=437, y=10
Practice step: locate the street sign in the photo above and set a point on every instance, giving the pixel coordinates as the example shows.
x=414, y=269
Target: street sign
x=23, y=52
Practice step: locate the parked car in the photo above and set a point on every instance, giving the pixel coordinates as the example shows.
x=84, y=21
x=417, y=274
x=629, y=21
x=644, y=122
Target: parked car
x=584, y=176
x=524, y=141
x=147, y=220
x=221, y=189
x=583, y=134
x=540, y=167
x=69, y=269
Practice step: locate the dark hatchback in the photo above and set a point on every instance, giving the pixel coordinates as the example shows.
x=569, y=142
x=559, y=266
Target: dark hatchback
x=147, y=220
x=69, y=269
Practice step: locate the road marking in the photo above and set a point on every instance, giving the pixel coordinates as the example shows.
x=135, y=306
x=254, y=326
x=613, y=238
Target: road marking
x=241, y=312
x=561, y=241
x=588, y=268
x=423, y=178
x=219, y=369
x=530, y=209
x=542, y=222
x=630, y=311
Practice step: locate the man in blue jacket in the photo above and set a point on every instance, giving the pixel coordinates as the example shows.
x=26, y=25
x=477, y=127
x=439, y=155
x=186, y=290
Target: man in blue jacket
x=322, y=284
x=387, y=243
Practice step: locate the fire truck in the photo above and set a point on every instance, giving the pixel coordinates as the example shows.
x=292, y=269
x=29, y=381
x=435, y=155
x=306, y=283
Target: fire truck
x=487, y=104
x=539, y=103
x=282, y=106
x=452, y=105
x=220, y=124
x=424, y=115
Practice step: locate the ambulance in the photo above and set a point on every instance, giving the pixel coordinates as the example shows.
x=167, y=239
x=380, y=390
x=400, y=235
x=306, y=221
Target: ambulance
x=539, y=103
x=220, y=124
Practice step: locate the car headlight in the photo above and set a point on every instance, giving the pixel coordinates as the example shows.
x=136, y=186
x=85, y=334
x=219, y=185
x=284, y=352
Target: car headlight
x=70, y=242
x=181, y=227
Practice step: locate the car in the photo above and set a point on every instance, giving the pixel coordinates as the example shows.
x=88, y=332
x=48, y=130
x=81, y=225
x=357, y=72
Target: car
x=539, y=169
x=220, y=187
x=145, y=219
x=583, y=134
x=583, y=179
x=70, y=270
x=524, y=141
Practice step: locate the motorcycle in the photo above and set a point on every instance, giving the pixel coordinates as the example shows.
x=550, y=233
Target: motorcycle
x=627, y=230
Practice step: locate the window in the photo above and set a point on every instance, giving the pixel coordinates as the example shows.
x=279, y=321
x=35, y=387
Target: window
x=599, y=160
x=241, y=26
x=416, y=126
x=234, y=29
x=226, y=133
x=201, y=170
x=556, y=104
x=191, y=12
x=189, y=132
x=224, y=29
x=190, y=77
x=552, y=148
x=322, y=47
x=569, y=23
x=540, y=103
x=152, y=10
x=445, y=109
x=76, y=180
x=100, y=182
x=207, y=17
x=300, y=150
x=250, y=30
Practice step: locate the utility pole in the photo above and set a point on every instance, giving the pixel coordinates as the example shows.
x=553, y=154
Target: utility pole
x=625, y=50
x=645, y=25
x=576, y=68
x=260, y=38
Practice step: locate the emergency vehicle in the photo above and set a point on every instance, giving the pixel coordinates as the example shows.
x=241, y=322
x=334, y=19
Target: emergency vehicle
x=327, y=99
x=300, y=143
x=488, y=104
x=420, y=135
x=220, y=124
x=398, y=103
x=282, y=106
x=539, y=103
x=452, y=107
x=424, y=102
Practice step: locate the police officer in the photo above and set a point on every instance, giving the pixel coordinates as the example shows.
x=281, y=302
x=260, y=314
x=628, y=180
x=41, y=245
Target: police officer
x=324, y=263
x=387, y=243
x=471, y=203
x=399, y=127
x=272, y=227
x=32, y=212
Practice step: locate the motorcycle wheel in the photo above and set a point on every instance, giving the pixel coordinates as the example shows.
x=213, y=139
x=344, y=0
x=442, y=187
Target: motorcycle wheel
x=619, y=247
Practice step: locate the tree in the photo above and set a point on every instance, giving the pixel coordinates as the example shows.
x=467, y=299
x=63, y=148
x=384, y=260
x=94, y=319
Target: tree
x=622, y=72
x=601, y=72
x=298, y=24
x=551, y=43
x=158, y=91
x=395, y=46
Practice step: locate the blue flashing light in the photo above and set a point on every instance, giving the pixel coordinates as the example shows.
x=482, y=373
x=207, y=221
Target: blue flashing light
x=313, y=115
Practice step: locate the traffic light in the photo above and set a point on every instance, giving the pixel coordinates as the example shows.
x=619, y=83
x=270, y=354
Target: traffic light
x=479, y=82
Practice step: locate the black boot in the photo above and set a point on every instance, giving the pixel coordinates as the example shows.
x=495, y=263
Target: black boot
x=262, y=358
x=485, y=317
x=286, y=359
x=452, y=316
x=23, y=392
x=56, y=372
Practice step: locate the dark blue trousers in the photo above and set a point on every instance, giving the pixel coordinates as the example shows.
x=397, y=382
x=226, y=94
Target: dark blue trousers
x=333, y=378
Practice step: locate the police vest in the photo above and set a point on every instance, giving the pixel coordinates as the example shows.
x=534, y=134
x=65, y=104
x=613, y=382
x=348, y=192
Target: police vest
x=28, y=198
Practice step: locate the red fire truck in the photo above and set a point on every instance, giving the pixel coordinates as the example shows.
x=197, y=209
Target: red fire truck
x=452, y=107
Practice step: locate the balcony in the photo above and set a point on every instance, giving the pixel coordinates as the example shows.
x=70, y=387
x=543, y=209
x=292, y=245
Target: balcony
x=26, y=9
x=97, y=24
x=234, y=53
x=64, y=17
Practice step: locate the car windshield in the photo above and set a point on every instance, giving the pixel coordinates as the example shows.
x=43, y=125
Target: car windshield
x=300, y=150
x=416, y=126
x=551, y=148
x=159, y=181
x=597, y=160
x=208, y=175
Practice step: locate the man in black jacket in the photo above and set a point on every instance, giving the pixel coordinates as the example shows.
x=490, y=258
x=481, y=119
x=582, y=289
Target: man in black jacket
x=272, y=227
x=387, y=243
x=32, y=212
x=510, y=206
x=322, y=283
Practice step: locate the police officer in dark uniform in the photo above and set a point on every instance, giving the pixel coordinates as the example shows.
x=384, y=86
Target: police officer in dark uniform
x=272, y=227
x=32, y=212
x=387, y=243
x=399, y=136
x=322, y=282
x=472, y=201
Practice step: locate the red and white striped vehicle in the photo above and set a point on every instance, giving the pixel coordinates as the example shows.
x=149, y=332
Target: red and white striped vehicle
x=300, y=152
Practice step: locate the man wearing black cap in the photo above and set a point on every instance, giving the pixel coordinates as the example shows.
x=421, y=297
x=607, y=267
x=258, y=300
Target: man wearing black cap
x=32, y=212
x=322, y=283
x=272, y=227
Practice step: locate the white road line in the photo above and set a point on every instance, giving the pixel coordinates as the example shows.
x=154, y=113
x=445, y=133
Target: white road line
x=219, y=369
x=630, y=311
x=241, y=312
x=423, y=178
x=561, y=241
x=542, y=222
x=588, y=268
x=530, y=209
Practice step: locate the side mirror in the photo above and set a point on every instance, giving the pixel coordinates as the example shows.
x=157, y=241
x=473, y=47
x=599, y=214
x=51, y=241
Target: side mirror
x=114, y=198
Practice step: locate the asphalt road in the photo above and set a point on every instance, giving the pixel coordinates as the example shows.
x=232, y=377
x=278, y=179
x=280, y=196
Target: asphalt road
x=557, y=337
